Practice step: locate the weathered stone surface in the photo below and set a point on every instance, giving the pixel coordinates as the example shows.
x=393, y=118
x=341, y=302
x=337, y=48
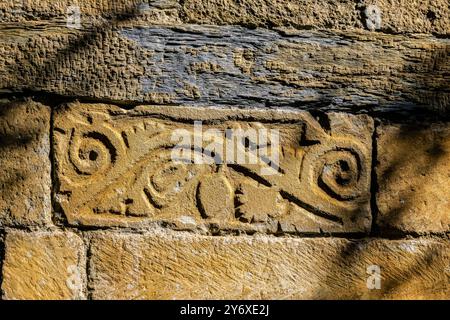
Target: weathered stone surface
x=114, y=167
x=117, y=168
x=422, y=16
x=24, y=164
x=414, y=177
x=393, y=16
x=43, y=265
x=183, y=266
x=92, y=12
x=230, y=65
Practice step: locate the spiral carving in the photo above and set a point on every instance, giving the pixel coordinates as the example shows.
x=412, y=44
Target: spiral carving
x=91, y=152
x=340, y=173
x=338, y=167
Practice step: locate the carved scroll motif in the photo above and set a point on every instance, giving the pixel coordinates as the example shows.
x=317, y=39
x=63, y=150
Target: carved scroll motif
x=116, y=168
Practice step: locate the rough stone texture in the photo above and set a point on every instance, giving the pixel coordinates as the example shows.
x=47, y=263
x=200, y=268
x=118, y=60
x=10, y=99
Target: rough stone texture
x=116, y=167
x=414, y=177
x=230, y=65
x=92, y=12
x=171, y=230
x=395, y=16
x=421, y=16
x=24, y=164
x=43, y=265
x=169, y=266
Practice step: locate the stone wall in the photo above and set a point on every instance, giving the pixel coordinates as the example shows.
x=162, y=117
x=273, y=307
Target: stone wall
x=93, y=205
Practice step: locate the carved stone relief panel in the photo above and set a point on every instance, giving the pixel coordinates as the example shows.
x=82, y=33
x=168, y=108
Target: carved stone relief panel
x=215, y=169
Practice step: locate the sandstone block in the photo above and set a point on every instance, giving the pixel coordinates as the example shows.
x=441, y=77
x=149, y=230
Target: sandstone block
x=414, y=177
x=90, y=12
x=183, y=266
x=393, y=16
x=229, y=65
x=233, y=169
x=25, y=196
x=43, y=265
x=420, y=16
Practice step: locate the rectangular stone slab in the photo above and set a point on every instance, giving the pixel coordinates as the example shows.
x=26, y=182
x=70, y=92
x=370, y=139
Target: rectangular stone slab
x=417, y=16
x=183, y=266
x=228, y=65
x=413, y=173
x=25, y=179
x=43, y=265
x=115, y=168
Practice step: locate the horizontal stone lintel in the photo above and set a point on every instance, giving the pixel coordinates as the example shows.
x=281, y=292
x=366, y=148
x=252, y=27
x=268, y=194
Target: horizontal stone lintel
x=229, y=65
x=417, y=16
